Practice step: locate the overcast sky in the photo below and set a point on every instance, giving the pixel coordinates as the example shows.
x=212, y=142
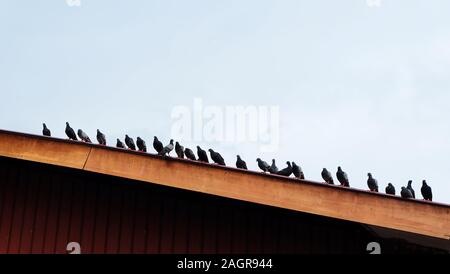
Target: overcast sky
x=366, y=88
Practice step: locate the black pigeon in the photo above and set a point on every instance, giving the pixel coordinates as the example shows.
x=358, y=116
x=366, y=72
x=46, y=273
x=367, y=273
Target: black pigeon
x=202, y=156
x=342, y=177
x=286, y=171
x=216, y=157
x=46, y=131
x=327, y=177
x=70, y=132
x=167, y=149
x=130, y=143
x=273, y=169
x=101, y=138
x=390, y=189
x=120, y=144
x=240, y=163
x=372, y=183
x=409, y=187
x=83, y=136
x=426, y=191
x=263, y=165
x=405, y=193
x=298, y=172
x=179, y=150
x=157, y=145
x=141, y=144
x=189, y=154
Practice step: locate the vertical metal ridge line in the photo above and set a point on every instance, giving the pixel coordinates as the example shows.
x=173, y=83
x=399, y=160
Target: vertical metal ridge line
x=39, y=181
x=3, y=189
x=83, y=207
x=175, y=213
x=111, y=193
x=147, y=209
x=28, y=200
x=24, y=211
x=95, y=209
x=122, y=201
x=133, y=223
x=11, y=224
x=160, y=224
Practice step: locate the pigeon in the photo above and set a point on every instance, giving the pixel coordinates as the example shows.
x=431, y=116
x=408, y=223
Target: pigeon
x=46, y=131
x=130, y=143
x=326, y=175
x=167, y=149
x=216, y=157
x=405, y=193
x=286, y=171
x=83, y=136
x=273, y=169
x=70, y=132
x=342, y=177
x=202, y=156
x=390, y=189
x=409, y=187
x=120, y=144
x=263, y=165
x=240, y=163
x=101, y=138
x=426, y=191
x=189, y=154
x=157, y=145
x=141, y=144
x=179, y=149
x=298, y=172
x=372, y=183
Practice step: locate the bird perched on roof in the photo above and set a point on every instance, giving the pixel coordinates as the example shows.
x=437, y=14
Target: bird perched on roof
x=263, y=165
x=101, y=138
x=240, y=163
x=327, y=177
x=273, y=169
x=157, y=145
x=216, y=157
x=409, y=187
x=70, y=132
x=405, y=193
x=141, y=144
x=342, y=177
x=202, y=156
x=179, y=150
x=130, y=142
x=372, y=183
x=286, y=171
x=120, y=144
x=46, y=131
x=297, y=171
x=390, y=189
x=189, y=154
x=426, y=191
x=83, y=136
x=167, y=149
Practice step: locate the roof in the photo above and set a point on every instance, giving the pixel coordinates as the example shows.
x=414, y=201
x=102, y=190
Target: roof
x=377, y=209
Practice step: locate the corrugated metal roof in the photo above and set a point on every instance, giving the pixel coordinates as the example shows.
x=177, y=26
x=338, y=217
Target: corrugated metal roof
x=423, y=217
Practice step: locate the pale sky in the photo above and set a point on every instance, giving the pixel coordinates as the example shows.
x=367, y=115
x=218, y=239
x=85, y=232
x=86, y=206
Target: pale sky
x=366, y=88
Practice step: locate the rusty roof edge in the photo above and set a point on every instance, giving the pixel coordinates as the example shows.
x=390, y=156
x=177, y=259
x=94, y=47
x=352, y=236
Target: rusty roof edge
x=283, y=178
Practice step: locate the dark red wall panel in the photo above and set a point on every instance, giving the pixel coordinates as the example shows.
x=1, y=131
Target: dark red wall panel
x=43, y=208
